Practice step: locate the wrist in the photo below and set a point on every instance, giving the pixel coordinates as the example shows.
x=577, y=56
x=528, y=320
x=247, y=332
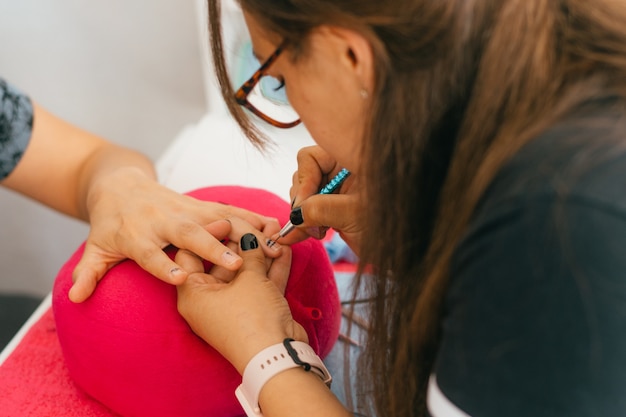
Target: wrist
x=256, y=341
x=272, y=361
x=240, y=354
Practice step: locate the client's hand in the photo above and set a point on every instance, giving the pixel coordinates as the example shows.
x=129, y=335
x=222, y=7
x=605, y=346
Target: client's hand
x=241, y=315
x=315, y=213
x=132, y=216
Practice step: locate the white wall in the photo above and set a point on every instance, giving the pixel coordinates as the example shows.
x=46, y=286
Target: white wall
x=129, y=70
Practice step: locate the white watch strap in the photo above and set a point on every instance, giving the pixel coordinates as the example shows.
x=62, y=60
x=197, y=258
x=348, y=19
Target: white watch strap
x=271, y=361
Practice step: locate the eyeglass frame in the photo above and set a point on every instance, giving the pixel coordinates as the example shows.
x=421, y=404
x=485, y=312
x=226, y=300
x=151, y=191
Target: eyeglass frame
x=241, y=95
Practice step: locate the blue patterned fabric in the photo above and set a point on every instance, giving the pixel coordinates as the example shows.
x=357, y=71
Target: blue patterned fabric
x=16, y=125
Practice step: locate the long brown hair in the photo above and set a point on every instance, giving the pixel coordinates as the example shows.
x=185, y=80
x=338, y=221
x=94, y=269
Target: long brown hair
x=461, y=85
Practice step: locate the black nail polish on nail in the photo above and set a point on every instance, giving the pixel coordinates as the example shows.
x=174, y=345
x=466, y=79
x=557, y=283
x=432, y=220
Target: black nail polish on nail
x=248, y=241
x=296, y=216
x=293, y=202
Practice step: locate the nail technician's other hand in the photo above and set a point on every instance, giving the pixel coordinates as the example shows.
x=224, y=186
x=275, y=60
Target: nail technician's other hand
x=132, y=216
x=242, y=316
x=312, y=213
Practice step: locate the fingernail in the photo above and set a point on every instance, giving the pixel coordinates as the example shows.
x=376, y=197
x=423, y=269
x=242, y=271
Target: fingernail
x=293, y=202
x=230, y=258
x=248, y=241
x=296, y=216
x=176, y=272
x=272, y=244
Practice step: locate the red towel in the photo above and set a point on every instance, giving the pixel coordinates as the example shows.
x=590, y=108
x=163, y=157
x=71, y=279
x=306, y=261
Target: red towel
x=34, y=381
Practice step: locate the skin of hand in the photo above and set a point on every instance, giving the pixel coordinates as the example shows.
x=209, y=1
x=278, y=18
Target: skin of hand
x=250, y=306
x=155, y=218
x=339, y=210
x=115, y=189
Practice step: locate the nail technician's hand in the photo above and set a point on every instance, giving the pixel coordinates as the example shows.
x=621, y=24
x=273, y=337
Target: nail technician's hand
x=313, y=213
x=244, y=315
x=132, y=216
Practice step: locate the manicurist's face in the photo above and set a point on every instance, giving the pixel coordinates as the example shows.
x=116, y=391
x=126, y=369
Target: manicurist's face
x=324, y=85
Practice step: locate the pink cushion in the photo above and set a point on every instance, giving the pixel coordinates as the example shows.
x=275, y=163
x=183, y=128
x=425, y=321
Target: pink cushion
x=128, y=347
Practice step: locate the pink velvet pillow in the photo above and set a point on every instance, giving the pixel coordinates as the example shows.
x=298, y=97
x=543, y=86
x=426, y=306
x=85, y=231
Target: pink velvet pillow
x=128, y=347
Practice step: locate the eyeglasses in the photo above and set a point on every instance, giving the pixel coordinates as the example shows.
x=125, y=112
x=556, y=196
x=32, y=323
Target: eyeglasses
x=264, y=96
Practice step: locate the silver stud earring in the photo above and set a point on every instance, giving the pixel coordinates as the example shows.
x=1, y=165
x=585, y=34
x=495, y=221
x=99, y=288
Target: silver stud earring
x=364, y=94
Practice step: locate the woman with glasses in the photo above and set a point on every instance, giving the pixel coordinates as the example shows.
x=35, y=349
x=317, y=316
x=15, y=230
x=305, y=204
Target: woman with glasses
x=486, y=142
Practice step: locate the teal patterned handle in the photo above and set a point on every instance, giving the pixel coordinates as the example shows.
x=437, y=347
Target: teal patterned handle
x=328, y=189
x=335, y=182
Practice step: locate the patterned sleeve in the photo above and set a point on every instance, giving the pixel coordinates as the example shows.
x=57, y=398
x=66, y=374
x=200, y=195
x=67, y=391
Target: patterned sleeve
x=16, y=125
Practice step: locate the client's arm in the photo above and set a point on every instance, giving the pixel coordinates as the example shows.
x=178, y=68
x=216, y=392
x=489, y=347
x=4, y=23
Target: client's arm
x=114, y=188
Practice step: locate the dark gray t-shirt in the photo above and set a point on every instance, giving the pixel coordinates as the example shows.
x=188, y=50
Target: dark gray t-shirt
x=16, y=125
x=535, y=316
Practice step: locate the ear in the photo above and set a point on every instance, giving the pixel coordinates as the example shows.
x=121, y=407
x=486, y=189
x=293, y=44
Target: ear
x=353, y=52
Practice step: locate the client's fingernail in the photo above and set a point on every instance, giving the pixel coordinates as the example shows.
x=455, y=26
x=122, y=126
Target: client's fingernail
x=293, y=202
x=248, y=241
x=272, y=244
x=176, y=272
x=296, y=216
x=230, y=258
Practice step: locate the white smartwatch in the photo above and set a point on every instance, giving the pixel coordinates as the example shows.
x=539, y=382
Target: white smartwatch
x=271, y=361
